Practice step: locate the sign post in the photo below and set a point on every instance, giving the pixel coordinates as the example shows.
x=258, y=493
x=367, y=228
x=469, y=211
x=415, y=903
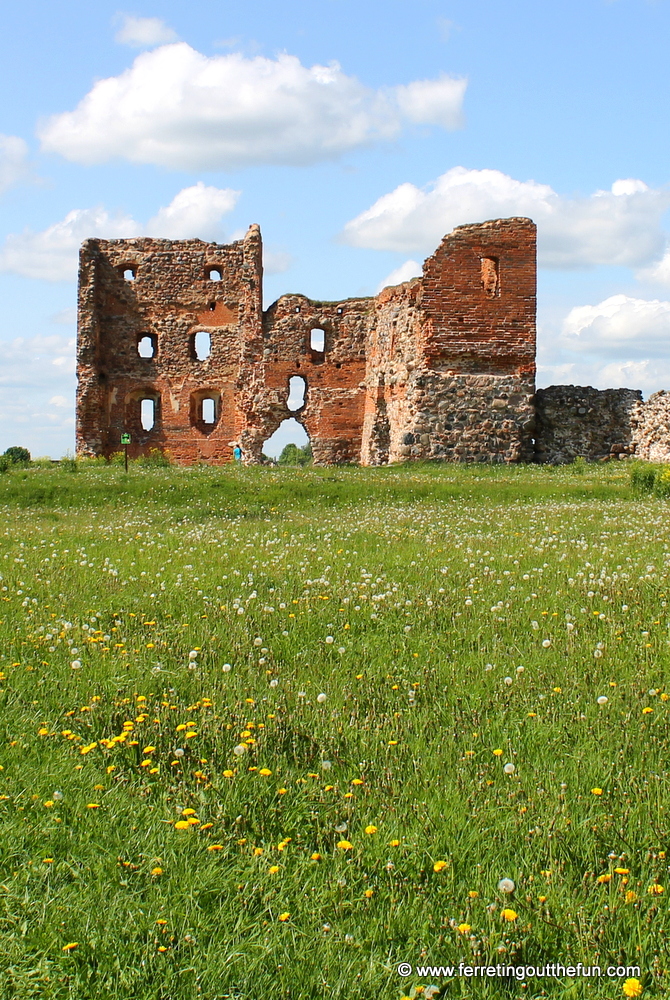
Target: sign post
x=125, y=441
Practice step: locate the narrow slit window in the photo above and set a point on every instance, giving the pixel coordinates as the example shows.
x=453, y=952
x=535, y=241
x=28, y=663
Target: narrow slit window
x=296, y=393
x=202, y=345
x=208, y=411
x=129, y=273
x=490, y=276
x=317, y=340
x=146, y=346
x=214, y=274
x=148, y=413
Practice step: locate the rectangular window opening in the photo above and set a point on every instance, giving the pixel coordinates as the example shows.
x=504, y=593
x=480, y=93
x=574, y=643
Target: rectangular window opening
x=208, y=411
x=148, y=413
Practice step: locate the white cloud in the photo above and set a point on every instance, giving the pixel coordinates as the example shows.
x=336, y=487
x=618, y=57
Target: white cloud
x=37, y=388
x=60, y=401
x=53, y=253
x=620, y=327
x=13, y=161
x=144, y=32
x=194, y=212
x=410, y=269
x=64, y=317
x=620, y=226
x=37, y=362
x=658, y=273
x=276, y=261
x=180, y=109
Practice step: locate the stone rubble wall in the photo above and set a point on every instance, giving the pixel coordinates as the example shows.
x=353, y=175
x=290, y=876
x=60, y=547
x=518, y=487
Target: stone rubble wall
x=651, y=434
x=579, y=421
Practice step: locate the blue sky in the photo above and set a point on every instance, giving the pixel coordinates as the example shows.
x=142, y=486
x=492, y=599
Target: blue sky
x=356, y=134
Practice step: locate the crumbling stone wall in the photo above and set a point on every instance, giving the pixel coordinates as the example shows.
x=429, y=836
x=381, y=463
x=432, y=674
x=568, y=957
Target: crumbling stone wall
x=651, y=432
x=439, y=367
x=575, y=420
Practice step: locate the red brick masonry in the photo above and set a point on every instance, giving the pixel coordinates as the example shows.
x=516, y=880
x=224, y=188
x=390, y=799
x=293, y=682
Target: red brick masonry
x=442, y=366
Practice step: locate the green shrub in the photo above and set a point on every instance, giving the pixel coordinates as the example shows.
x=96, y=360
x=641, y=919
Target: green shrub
x=662, y=482
x=155, y=459
x=642, y=477
x=579, y=465
x=18, y=456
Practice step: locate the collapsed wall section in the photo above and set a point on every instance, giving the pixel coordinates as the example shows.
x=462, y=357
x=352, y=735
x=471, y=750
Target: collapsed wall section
x=579, y=421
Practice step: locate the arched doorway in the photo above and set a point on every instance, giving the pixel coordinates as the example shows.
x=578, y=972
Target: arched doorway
x=290, y=432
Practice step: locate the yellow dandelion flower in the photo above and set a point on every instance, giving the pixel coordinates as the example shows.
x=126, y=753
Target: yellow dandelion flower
x=282, y=791
x=161, y=948
x=189, y=736
x=632, y=988
x=645, y=711
x=47, y=861
x=188, y=812
x=630, y=896
x=149, y=750
x=542, y=899
x=215, y=847
x=157, y=871
x=265, y=771
x=182, y=824
x=509, y=915
x=370, y=829
x=161, y=922
x=228, y=773
x=273, y=869
x=369, y=893
x=464, y=928
x=604, y=878
x=283, y=917
x=394, y=843
x=71, y=946
x=357, y=781
x=440, y=866
x=622, y=871
x=596, y=791
x=655, y=889
x=315, y=856
x=473, y=894
x=42, y=732
x=497, y=753
x=92, y=805
x=48, y=804
x=345, y=845
x=258, y=851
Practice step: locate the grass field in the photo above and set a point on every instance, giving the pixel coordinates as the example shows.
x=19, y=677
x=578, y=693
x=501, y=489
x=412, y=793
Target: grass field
x=270, y=733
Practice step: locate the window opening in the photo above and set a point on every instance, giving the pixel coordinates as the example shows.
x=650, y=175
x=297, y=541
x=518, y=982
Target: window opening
x=289, y=444
x=214, y=274
x=148, y=413
x=317, y=340
x=297, y=388
x=202, y=345
x=212, y=306
x=208, y=411
x=146, y=346
x=297, y=309
x=490, y=277
x=129, y=273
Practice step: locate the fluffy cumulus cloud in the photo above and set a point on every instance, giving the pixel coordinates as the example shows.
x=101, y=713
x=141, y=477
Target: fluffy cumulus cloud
x=52, y=254
x=619, y=226
x=180, y=109
x=13, y=161
x=194, y=211
x=620, y=326
x=143, y=32
x=410, y=269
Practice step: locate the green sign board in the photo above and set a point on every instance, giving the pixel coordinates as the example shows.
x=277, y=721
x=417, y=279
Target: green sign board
x=125, y=439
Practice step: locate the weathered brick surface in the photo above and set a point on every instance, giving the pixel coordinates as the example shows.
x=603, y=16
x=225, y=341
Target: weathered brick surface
x=439, y=367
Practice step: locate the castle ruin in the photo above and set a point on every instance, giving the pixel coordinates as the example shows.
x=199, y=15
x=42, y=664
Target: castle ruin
x=174, y=348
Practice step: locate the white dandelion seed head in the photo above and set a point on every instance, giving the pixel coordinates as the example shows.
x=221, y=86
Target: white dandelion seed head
x=506, y=885
x=546, y=643
x=193, y=655
x=179, y=752
x=341, y=649
x=602, y=700
x=326, y=765
x=258, y=641
x=509, y=769
x=329, y=639
x=321, y=698
x=239, y=749
x=508, y=681
x=274, y=682
x=226, y=668
x=597, y=653
x=76, y=664
x=57, y=796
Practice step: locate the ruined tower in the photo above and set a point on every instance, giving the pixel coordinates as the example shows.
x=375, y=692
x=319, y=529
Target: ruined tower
x=175, y=349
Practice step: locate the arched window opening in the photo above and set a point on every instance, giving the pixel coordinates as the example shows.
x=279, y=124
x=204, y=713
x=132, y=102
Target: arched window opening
x=202, y=345
x=208, y=410
x=148, y=413
x=289, y=445
x=129, y=273
x=317, y=340
x=146, y=346
x=214, y=274
x=297, y=387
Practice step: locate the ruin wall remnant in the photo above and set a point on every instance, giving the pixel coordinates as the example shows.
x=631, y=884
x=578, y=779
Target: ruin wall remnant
x=440, y=367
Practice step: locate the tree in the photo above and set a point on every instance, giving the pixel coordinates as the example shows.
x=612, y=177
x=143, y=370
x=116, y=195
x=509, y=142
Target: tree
x=293, y=455
x=17, y=456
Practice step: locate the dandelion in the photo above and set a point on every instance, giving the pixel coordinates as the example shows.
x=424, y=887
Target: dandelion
x=75, y=664
x=71, y=946
x=273, y=869
x=632, y=988
x=321, y=698
x=369, y=893
x=157, y=871
x=602, y=700
x=265, y=771
x=345, y=845
x=509, y=768
x=92, y=805
x=630, y=897
x=329, y=639
x=647, y=710
x=596, y=791
x=509, y=915
x=283, y=917
x=394, y=843
x=239, y=749
x=508, y=681
x=228, y=773
x=473, y=894
x=182, y=824
x=193, y=655
x=655, y=889
x=440, y=866
x=215, y=847
x=226, y=668
x=497, y=753
x=315, y=856
x=464, y=928
x=47, y=861
x=370, y=829
x=506, y=885
x=546, y=643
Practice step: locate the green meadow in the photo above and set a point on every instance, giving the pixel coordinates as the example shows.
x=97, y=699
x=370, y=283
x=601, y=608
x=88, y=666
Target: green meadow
x=275, y=733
